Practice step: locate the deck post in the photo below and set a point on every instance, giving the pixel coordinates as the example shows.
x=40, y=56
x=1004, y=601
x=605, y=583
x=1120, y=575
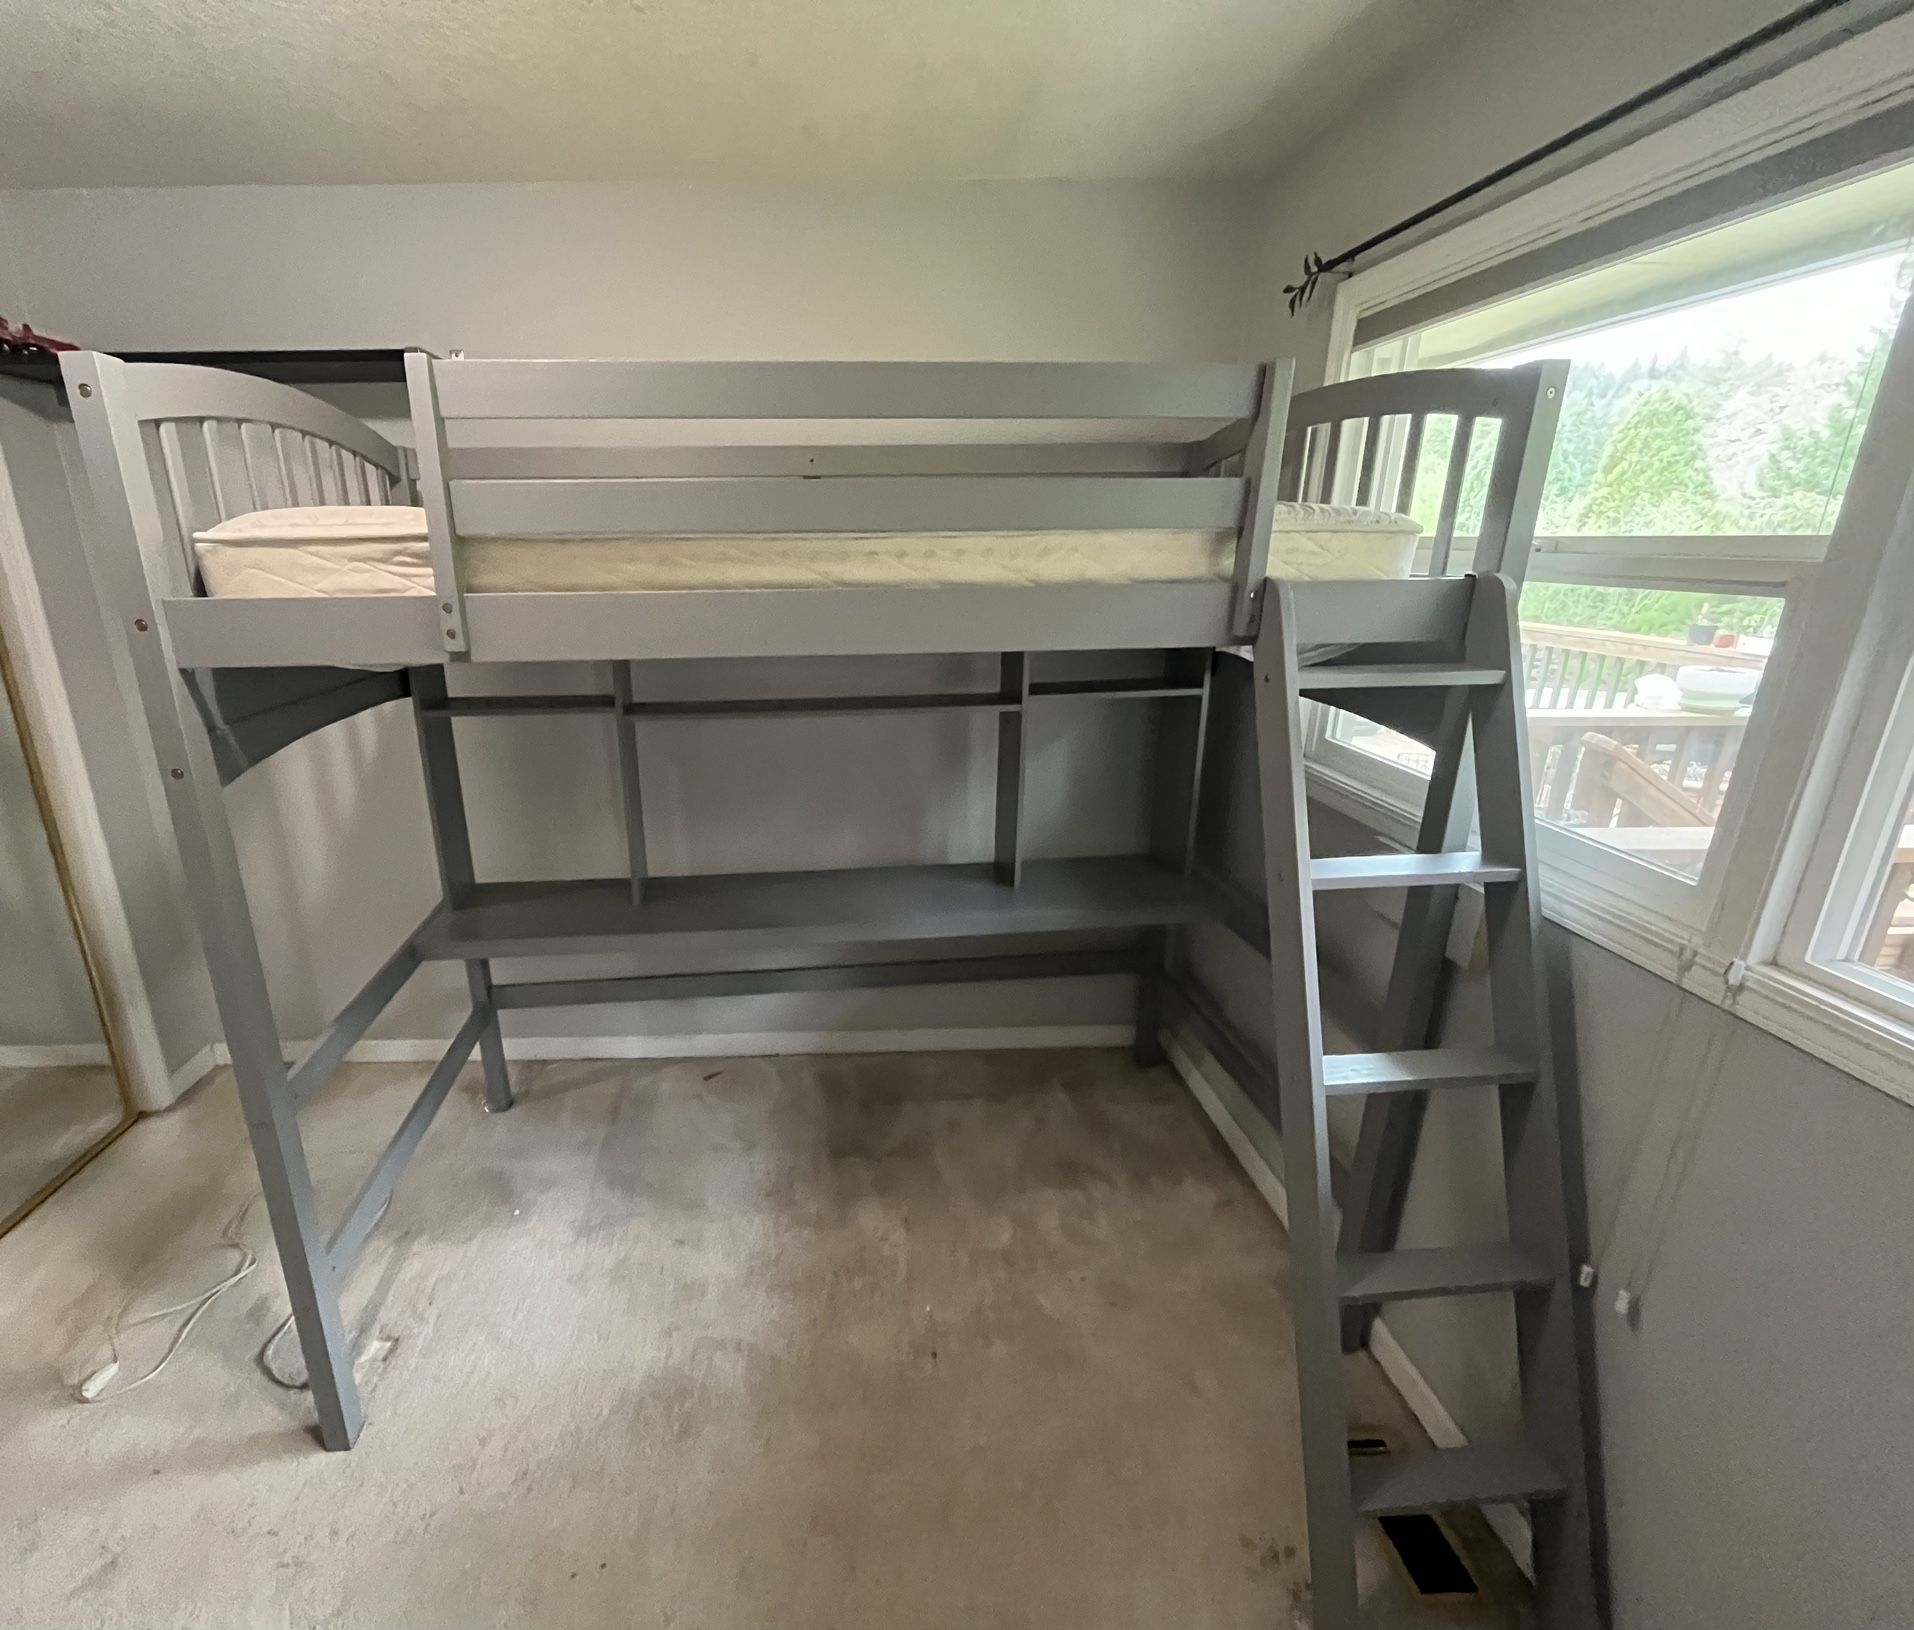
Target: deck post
x=452, y=840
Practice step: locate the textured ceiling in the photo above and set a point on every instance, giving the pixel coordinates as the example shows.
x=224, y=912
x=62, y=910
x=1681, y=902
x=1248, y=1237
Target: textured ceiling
x=176, y=92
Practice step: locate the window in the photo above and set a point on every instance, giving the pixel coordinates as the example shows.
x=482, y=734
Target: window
x=1732, y=490
x=1882, y=942
x=1718, y=391
x=1851, y=927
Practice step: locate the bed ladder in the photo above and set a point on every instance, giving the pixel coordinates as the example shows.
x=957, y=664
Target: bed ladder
x=1475, y=701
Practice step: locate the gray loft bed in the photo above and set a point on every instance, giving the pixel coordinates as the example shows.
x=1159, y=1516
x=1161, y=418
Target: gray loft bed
x=225, y=682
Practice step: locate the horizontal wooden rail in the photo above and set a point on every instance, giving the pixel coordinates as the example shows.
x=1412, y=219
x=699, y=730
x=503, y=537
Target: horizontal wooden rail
x=483, y=388
x=879, y=503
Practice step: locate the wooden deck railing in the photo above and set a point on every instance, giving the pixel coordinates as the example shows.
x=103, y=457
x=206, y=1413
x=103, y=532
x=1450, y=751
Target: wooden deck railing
x=1585, y=667
x=1592, y=745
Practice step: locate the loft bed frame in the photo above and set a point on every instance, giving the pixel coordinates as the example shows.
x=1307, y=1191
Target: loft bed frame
x=172, y=449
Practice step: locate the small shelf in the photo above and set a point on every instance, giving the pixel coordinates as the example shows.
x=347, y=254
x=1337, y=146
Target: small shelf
x=1316, y=679
x=1477, y=1474
x=1347, y=1075
x=781, y=910
x=797, y=707
x=518, y=707
x=1111, y=690
x=1437, y=1270
x=1407, y=871
x=787, y=707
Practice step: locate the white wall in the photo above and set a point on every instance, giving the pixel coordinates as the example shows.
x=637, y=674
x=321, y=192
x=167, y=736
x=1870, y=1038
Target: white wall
x=1756, y=1418
x=333, y=832
x=1530, y=73
x=1049, y=270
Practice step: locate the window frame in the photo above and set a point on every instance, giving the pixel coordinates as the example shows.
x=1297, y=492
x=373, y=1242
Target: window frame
x=1711, y=564
x=1807, y=811
x=1857, y=795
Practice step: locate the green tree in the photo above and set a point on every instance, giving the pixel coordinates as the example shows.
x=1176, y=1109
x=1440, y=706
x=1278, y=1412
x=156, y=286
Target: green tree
x=1801, y=482
x=1667, y=612
x=1595, y=403
x=1654, y=477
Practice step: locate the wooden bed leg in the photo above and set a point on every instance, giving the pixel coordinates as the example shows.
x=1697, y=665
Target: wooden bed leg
x=218, y=894
x=491, y=1042
x=445, y=799
x=1146, y=1048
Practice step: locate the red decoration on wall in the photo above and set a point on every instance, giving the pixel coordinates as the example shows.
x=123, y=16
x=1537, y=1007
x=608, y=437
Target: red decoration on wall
x=23, y=342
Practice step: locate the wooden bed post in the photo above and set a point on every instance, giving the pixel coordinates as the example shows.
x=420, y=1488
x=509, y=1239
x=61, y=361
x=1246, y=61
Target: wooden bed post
x=452, y=841
x=429, y=481
x=1262, y=467
x=135, y=562
x=1182, y=735
x=1013, y=759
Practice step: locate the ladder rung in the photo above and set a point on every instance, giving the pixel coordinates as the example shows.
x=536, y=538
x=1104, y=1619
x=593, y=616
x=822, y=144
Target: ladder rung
x=1480, y=1474
x=1345, y=1074
x=1396, y=676
x=1446, y=1270
x=1407, y=871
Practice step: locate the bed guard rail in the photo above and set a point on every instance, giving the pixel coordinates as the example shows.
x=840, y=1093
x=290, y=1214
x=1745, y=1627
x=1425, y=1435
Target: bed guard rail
x=1364, y=441
x=999, y=476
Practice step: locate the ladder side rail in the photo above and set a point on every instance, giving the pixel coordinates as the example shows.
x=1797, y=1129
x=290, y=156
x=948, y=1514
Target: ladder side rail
x=1314, y=1304
x=1548, y=1345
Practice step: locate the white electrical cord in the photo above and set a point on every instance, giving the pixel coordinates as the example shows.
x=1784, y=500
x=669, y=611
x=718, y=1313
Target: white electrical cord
x=1674, y=1173
x=1600, y=1264
x=1697, y=1095
x=284, y=1378
x=93, y=1389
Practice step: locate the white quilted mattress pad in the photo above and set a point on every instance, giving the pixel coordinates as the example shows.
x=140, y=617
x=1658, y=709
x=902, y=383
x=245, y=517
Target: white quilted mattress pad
x=381, y=549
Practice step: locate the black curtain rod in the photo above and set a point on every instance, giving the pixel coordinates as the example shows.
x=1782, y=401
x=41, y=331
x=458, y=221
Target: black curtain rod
x=1315, y=266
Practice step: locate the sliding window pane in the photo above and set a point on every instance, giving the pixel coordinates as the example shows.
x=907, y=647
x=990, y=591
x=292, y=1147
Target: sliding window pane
x=1735, y=417
x=1887, y=931
x=1638, y=702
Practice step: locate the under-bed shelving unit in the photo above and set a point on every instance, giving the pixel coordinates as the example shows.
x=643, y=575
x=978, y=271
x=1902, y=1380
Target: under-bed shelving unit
x=227, y=681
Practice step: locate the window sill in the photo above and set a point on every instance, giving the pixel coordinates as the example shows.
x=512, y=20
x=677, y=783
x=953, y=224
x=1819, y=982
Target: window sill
x=1853, y=1037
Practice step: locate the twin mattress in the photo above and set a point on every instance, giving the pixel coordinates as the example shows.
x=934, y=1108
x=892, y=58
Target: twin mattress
x=380, y=549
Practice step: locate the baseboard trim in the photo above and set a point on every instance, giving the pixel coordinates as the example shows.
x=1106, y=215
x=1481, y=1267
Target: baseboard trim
x=1193, y=1063
x=53, y=1055
x=717, y=1044
x=195, y=1070
x=763, y=1043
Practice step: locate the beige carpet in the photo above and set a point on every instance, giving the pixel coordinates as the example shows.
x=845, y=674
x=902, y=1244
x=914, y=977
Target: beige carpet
x=859, y=1343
